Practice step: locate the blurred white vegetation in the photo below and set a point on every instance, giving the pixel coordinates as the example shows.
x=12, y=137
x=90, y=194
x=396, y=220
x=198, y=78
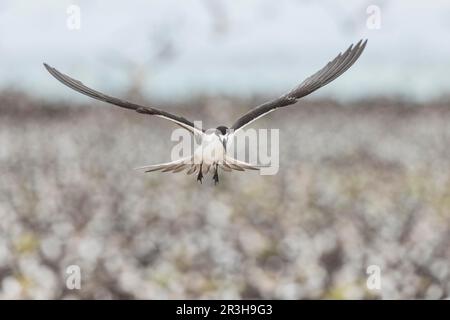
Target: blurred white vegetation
x=358, y=186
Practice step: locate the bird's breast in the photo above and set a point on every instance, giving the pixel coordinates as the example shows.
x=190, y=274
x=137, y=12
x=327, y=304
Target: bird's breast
x=211, y=150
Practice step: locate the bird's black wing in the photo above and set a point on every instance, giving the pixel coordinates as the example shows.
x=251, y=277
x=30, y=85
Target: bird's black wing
x=331, y=71
x=80, y=87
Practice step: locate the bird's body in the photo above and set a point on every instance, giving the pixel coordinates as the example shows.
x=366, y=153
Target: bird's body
x=211, y=149
x=212, y=153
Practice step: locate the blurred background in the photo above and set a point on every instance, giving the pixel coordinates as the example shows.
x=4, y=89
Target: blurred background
x=363, y=176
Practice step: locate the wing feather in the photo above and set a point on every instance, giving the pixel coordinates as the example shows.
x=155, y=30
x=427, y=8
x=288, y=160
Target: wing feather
x=327, y=74
x=174, y=166
x=239, y=165
x=81, y=88
x=192, y=169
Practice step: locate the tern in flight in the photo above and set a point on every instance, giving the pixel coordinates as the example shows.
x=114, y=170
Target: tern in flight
x=201, y=162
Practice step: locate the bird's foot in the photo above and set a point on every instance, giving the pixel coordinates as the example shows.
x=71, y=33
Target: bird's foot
x=200, y=175
x=216, y=177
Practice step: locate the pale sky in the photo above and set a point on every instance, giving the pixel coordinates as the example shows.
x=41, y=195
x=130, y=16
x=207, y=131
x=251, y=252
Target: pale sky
x=177, y=48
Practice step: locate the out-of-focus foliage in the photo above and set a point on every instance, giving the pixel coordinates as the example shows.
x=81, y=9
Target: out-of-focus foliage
x=358, y=185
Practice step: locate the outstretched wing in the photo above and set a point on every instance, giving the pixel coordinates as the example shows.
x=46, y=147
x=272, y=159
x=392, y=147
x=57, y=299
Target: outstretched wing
x=80, y=87
x=331, y=71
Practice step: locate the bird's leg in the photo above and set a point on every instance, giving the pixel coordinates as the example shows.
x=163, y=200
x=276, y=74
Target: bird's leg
x=216, y=175
x=200, y=174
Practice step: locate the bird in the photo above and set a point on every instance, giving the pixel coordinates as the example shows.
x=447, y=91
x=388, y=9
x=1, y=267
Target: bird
x=216, y=139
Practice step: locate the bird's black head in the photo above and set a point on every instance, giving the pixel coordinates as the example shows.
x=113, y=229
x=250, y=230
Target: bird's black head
x=222, y=129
